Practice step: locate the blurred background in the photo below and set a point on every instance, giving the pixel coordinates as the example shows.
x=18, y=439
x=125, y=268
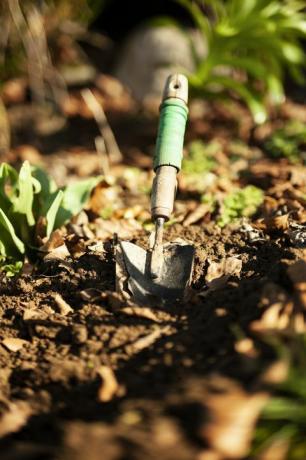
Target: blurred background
x=80, y=88
x=250, y=53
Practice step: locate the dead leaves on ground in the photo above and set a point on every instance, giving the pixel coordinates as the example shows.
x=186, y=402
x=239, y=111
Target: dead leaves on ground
x=283, y=312
x=233, y=413
x=14, y=417
x=109, y=387
x=219, y=272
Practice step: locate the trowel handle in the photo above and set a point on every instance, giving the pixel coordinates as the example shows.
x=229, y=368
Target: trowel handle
x=172, y=123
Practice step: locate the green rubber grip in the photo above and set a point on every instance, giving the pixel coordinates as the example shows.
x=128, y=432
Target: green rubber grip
x=171, y=132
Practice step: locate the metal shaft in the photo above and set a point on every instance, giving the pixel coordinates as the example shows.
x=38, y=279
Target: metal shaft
x=157, y=252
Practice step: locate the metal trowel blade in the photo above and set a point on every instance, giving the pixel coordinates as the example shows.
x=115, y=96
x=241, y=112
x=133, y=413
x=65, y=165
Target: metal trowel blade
x=172, y=281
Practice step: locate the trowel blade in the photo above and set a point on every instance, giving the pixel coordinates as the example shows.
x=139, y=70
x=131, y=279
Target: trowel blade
x=174, y=276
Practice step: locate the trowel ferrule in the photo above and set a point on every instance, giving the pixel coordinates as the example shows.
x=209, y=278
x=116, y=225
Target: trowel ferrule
x=163, y=192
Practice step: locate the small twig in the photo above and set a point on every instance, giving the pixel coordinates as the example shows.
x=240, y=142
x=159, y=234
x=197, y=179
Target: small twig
x=96, y=108
x=34, y=62
x=147, y=341
x=101, y=150
x=31, y=30
x=5, y=26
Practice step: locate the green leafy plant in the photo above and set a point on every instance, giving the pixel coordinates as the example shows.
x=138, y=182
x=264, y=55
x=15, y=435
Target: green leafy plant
x=29, y=200
x=288, y=142
x=251, y=44
x=284, y=417
x=200, y=157
x=240, y=203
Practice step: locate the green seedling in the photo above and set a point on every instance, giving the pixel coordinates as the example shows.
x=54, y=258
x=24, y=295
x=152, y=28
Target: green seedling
x=240, y=203
x=200, y=158
x=107, y=212
x=288, y=142
x=251, y=45
x=28, y=198
x=284, y=417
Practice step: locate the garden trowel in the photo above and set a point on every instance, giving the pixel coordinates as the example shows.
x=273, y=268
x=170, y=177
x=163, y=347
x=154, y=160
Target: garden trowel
x=162, y=274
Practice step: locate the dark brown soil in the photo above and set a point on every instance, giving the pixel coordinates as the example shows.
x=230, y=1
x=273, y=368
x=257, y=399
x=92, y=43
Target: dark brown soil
x=168, y=363
x=160, y=410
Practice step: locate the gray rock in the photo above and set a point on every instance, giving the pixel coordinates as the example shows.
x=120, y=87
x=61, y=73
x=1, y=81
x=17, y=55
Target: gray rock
x=150, y=54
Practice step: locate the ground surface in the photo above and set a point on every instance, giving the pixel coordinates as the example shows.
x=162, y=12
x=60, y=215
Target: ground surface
x=95, y=377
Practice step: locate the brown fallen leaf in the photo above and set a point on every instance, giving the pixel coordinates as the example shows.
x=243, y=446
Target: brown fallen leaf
x=277, y=449
x=219, y=272
x=147, y=313
x=14, y=90
x=276, y=373
x=109, y=387
x=60, y=252
x=198, y=214
x=13, y=343
x=277, y=222
x=63, y=306
x=14, y=418
x=146, y=341
x=91, y=294
x=269, y=206
x=246, y=347
x=55, y=240
x=297, y=275
x=209, y=455
x=233, y=414
x=125, y=229
x=276, y=317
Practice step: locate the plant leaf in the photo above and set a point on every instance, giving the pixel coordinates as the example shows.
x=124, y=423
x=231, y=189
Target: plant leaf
x=75, y=197
x=52, y=212
x=8, y=237
x=8, y=177
x=22, y=204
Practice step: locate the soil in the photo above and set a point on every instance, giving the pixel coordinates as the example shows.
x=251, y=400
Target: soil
x=161, y=411
x=92, y=377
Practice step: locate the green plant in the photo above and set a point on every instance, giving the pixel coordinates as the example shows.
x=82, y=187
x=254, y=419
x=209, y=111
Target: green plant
x=284, y=417
x=240, y=203
x=251, y=44
x=288, y=142
x=30, y=202
x=200, y=157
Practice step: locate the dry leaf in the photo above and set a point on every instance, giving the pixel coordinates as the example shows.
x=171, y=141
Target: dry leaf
x=91, y=294
x=276, y=373
x=146, y=341
x=125, y=229
x=63, y=306
x=13, y=343
x=14, y=418
x=233, y=414
x=147, y=313
x=246, y=347
x=277, y=316
x=109, y=387
x=56, y=240
x=277, y=449
x=297, y=275
x=197, y=215
x=277, y=222
x=61, y=252
x=219, y=272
